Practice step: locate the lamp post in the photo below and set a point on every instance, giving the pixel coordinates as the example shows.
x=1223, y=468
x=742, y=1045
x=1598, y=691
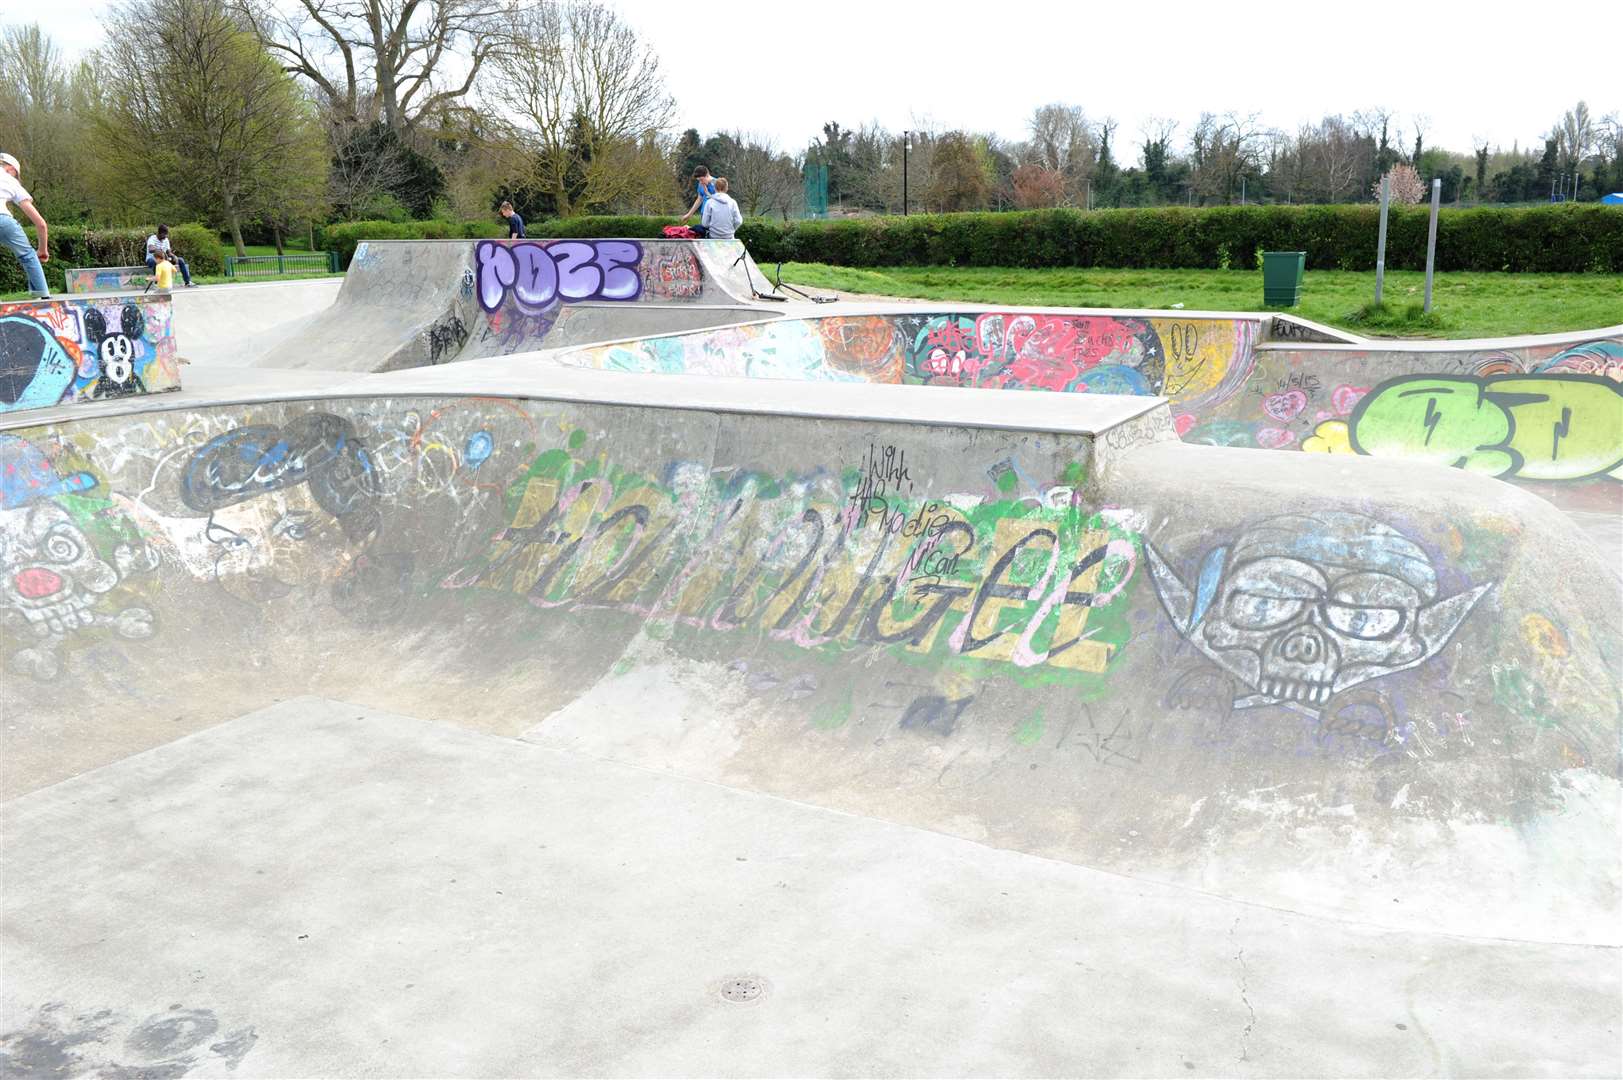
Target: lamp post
x=907, y=144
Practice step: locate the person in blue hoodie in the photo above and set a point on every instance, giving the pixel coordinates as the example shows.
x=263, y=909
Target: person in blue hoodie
x=704, y=188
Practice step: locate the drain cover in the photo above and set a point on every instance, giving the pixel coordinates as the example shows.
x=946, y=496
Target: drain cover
x=743, y=988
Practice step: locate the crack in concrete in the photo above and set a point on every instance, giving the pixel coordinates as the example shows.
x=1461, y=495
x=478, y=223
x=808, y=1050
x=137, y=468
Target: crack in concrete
x=1245, y=1035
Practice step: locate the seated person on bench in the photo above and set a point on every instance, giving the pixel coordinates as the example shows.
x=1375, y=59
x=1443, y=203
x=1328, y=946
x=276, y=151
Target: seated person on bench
x=158, y=248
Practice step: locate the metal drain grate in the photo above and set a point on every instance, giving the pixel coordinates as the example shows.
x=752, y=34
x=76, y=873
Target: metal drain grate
x=743, y=988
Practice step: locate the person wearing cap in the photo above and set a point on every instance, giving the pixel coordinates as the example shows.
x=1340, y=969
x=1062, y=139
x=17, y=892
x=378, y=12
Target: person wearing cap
x=11, y=233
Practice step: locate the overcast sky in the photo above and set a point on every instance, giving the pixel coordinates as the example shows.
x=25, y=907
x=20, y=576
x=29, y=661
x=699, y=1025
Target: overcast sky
x=782, y=69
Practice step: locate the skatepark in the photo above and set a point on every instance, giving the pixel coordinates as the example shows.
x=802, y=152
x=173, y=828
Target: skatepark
x=588, y=658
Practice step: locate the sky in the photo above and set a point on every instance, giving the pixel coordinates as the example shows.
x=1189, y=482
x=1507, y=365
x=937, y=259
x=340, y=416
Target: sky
x=783, y=69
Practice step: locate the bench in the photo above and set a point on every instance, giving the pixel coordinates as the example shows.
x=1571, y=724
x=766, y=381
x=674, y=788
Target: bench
x=86, y=279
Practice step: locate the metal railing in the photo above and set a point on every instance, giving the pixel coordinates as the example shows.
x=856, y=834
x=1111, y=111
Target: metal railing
x=248, y=267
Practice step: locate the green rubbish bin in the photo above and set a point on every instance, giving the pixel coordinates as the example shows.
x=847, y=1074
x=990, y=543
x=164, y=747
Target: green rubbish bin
x=1282, y=277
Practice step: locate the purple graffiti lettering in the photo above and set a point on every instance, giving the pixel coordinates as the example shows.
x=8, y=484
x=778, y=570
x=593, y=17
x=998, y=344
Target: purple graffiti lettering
x=540, y=275
x=496, y=274
x=619, y=260
x=537, y=282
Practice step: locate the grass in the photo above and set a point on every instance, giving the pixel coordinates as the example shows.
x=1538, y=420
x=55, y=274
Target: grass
x=1464, y=305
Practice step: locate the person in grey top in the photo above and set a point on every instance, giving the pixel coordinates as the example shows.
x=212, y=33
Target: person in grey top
x=721, y=217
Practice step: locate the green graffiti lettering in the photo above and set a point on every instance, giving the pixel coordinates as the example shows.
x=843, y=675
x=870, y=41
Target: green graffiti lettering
x=1532, y=427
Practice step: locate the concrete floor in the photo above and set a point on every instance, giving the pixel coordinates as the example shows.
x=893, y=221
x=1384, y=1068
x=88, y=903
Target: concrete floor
x=319, y=889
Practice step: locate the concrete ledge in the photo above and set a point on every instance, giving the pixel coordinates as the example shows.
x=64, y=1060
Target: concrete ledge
x=89, y=279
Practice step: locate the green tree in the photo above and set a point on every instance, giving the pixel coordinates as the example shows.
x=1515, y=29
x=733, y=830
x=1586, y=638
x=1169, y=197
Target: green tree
x=44, y=111
x=959, y=177
x=201, y=120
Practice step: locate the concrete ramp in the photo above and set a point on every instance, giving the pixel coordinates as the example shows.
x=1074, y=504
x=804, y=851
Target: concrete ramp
x=502, y=697
x=411, y=303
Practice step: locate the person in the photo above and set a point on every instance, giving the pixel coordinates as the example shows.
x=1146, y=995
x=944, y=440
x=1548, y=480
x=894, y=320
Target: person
x=515, y=223
x=705, y=188
x=158, y=248
x=12, y=193
x=721, y=217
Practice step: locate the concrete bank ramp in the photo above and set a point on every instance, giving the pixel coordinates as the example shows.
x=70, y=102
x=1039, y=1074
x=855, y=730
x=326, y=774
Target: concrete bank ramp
x=410, y=303
x=1309, y=709
x=1543, y=411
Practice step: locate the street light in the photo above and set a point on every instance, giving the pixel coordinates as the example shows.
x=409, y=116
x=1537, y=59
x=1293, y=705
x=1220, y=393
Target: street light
x=907, y=144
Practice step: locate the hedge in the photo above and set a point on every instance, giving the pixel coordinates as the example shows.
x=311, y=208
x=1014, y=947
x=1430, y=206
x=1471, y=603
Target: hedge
x=342, y=238
x=73, y=246
x=1543, y=239
x=1550, y=239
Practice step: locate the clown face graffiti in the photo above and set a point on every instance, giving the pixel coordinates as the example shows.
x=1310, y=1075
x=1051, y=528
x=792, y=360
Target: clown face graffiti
x=1302, y=606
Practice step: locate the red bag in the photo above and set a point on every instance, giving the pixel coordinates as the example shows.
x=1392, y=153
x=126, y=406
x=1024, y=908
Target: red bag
x=679, y=232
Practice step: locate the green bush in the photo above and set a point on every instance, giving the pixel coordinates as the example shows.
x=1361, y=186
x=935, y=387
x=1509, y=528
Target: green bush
x=74, y=246
x=1544, y=239
x=1540, y=239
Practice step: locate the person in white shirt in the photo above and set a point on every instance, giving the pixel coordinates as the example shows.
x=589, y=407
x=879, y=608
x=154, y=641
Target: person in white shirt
x=158, y=248
x=721, y=217
x=12, y=193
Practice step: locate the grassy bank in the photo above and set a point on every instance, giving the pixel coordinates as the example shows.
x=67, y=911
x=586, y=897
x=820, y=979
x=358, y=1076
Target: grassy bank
x=1464, y=304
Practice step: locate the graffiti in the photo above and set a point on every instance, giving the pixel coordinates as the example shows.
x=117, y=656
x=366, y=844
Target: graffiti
x=54, y=582
x=37, y=369
x=818, y=561
x=116, y=351
x=672, y=272
x=538, y=276
x=60, y=351
x=265, y=508
x=446, y=338
x=1048, y=352
x=106, y=279
x=1301, y=607
x=1531, y=427
x=1289, y=330
x=863, y=345
x=104, y=1042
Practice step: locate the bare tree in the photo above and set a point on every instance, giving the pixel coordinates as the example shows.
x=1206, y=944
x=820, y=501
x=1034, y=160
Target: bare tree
x=577, y=83
x=382, y=59
x=1062, y=141
x=1222, y=148
x=763, y=180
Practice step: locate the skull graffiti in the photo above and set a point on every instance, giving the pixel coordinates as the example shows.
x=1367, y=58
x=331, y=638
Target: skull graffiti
x=1302, y=606
x=52, y=581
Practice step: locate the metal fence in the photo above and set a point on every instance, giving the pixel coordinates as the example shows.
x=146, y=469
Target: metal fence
x=250, y=267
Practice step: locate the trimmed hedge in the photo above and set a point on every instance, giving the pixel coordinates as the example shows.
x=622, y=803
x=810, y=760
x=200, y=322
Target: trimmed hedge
x=342, y=238
x=1552, y=239
x=1542, y=239
x=73, y=246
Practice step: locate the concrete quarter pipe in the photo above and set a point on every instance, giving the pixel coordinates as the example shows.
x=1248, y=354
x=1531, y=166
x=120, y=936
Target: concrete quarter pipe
x=1348, y=736
x=408, y=303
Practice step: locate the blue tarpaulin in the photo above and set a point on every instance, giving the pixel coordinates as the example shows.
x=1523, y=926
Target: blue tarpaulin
x=1615, y=198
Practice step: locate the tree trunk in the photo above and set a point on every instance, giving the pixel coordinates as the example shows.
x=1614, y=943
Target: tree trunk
x=276, y=236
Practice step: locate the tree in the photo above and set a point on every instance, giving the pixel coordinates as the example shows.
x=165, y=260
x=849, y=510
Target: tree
x=1062, y=142
x=1222, y=148
x=45, y=112
x=1405, y=184
x=762, y=179
x=382, y=59
x=1481, y=166
x=960, y=178
x=588, y=97
x=1037, y=188
x=223, y=133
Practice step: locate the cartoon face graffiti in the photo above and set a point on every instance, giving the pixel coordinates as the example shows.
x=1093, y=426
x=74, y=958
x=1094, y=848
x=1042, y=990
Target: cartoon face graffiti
x=116, y=351
x=1303, y=606
x=52, y=580
x=286, y=506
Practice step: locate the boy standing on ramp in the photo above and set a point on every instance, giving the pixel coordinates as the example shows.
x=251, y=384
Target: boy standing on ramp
x=515, y=224
x=721, y=217
x=11, y=233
